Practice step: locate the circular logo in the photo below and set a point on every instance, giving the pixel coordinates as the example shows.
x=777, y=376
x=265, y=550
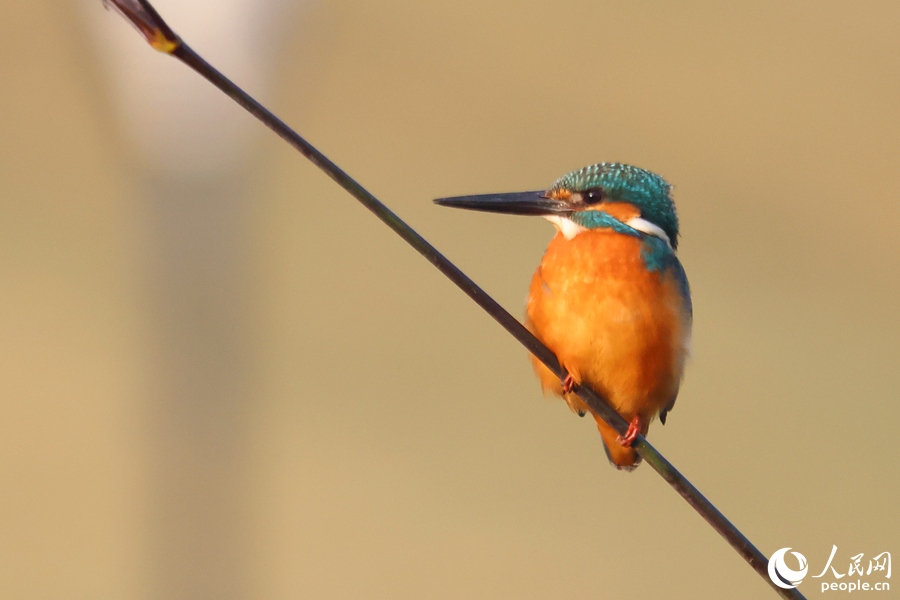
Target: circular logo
x=779, y=572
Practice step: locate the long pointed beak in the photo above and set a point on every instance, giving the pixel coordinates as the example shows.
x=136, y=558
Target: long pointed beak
x=517, y=203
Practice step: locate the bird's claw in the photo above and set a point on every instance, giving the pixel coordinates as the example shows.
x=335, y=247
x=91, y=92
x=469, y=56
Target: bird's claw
x=568, y=384
x=634, y=428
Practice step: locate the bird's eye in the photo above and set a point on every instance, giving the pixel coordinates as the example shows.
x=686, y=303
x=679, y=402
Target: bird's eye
x=592, y=196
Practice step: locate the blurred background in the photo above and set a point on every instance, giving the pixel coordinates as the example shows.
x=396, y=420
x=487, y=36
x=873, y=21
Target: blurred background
x=220, y=377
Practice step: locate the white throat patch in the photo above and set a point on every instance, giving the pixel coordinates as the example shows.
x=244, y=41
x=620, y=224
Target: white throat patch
x=565, y=226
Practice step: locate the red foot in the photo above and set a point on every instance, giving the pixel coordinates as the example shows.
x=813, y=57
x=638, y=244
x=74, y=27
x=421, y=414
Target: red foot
x=634, y=428
x=568, y=384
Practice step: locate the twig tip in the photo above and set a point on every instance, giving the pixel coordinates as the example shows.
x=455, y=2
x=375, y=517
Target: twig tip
x=147, y=21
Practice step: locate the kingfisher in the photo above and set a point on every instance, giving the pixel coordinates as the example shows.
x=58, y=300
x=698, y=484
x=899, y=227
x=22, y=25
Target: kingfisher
x=610, y=297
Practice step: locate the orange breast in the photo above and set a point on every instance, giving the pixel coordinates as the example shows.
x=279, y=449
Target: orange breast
x=614, y=325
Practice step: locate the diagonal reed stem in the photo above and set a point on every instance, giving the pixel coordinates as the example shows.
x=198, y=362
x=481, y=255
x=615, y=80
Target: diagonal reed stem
x=148, y=22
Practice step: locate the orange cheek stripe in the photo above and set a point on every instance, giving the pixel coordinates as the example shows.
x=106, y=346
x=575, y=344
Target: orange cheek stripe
x=623, y=211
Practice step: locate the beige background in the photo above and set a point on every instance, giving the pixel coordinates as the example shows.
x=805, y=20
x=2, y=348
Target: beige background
x=383, y=438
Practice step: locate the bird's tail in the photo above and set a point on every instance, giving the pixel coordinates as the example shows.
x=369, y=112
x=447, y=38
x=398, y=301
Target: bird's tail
x=625, y=459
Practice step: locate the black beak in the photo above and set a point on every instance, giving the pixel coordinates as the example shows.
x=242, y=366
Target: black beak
x=517, y=203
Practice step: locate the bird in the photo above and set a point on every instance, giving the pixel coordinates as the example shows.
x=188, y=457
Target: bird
x=610, y=297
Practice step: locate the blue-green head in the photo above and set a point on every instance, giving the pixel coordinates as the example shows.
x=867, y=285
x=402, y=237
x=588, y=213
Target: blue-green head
x=583, y=199
x=649, y=193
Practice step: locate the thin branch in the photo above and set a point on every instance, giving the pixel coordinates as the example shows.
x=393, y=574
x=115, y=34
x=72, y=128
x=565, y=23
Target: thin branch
x=148, y=22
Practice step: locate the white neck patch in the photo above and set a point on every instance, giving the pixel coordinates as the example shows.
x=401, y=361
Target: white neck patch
x=649, y=228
